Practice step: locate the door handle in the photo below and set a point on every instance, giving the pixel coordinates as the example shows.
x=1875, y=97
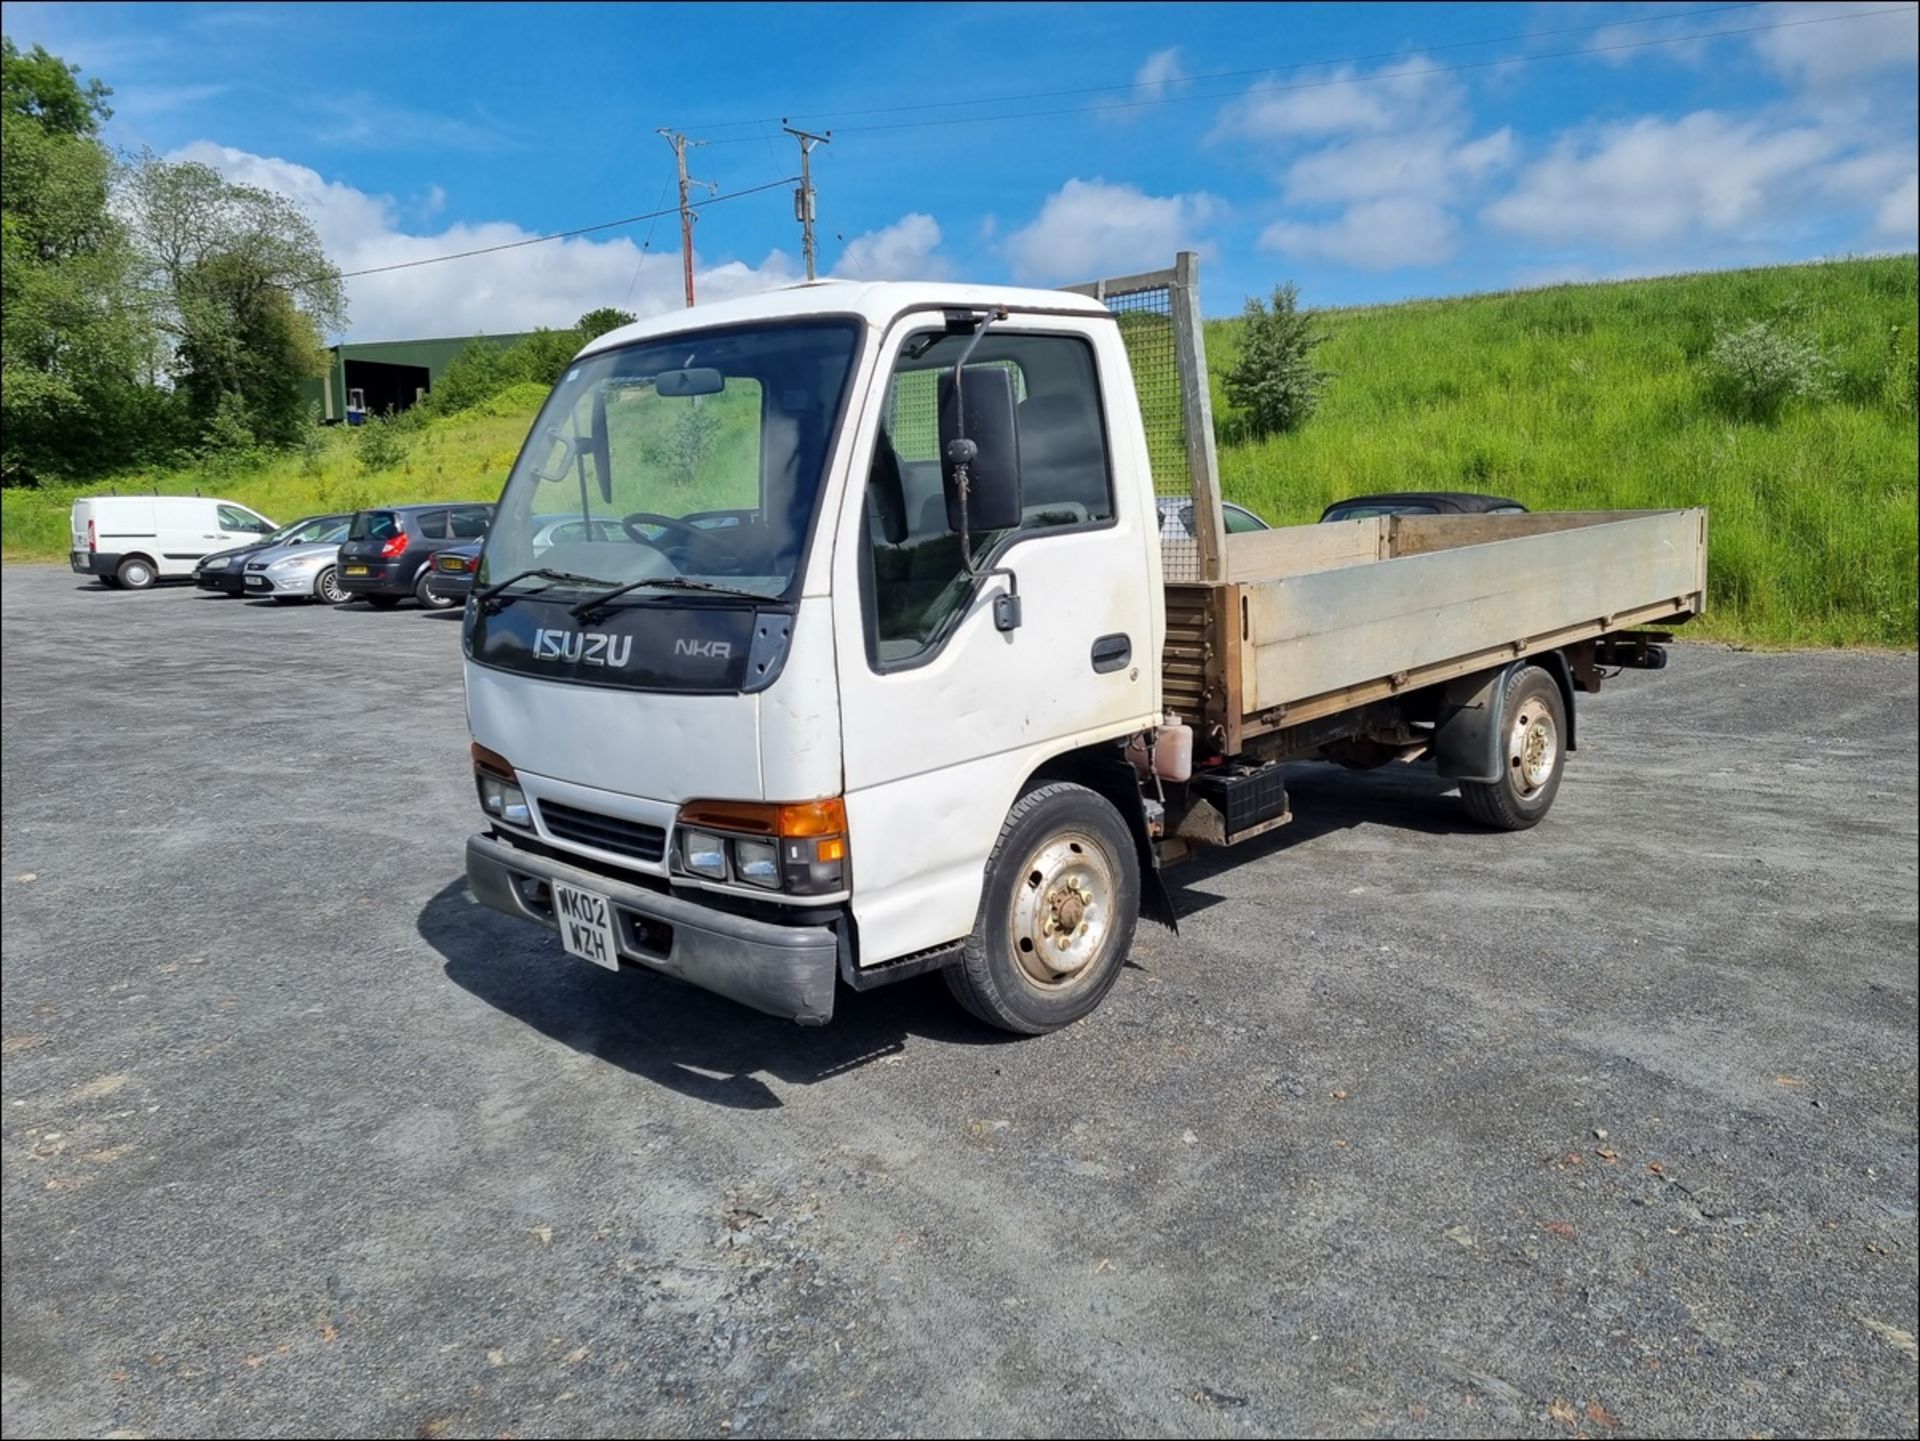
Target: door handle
x=1110, y=652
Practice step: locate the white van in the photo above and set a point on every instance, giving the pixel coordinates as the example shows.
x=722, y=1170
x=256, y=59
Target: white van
x=134, y=540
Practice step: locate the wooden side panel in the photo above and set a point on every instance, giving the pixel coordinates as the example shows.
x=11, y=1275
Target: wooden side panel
x=1418, y=534
x=1337, y=630
x=1297, y=549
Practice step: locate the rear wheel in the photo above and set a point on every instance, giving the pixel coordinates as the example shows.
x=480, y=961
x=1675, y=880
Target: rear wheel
x=381, y=602
x=136, y=572
x=429, y=598
x=1056, y=916
x=326, y=586
x=1533, y=753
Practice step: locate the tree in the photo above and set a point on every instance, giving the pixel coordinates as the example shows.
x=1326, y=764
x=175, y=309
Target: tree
x=596, y=323
x=239, y=283
x=76, y=352
x=45, y=89
x=1275, y=385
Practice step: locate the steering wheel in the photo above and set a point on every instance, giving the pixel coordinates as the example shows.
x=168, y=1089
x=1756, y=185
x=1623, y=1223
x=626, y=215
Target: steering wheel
x=631, y=525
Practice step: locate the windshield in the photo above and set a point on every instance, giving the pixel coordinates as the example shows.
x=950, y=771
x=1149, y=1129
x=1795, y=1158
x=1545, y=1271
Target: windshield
x=695, y=457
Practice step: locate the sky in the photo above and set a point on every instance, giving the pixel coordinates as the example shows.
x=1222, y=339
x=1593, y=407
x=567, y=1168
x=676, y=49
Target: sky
x=1368, y=153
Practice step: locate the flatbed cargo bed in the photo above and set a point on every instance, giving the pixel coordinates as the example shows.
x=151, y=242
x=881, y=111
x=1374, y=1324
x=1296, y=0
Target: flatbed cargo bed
x=1313, y=620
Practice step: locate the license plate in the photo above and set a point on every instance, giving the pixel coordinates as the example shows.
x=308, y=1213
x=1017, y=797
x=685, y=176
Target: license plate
x=586, y=925
x=455, y=564
x=356, y=570
x=256, y=580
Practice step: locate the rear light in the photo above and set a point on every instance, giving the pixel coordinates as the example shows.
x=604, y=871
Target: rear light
x=473, y=564
x=394, y=546
x=93, y=541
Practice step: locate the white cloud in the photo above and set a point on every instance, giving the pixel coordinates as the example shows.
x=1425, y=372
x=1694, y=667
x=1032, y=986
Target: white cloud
x=1373, y=234
x=1088, y=228
x=1899, y=215
x=1340, y=102
x=1432, y=165
x=1652, y=182
x=904, y=250
x=1830, y=57
x=1160, y=74
x=551, y=284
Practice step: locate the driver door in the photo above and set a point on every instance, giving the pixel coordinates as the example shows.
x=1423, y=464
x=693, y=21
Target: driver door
x=944, y=716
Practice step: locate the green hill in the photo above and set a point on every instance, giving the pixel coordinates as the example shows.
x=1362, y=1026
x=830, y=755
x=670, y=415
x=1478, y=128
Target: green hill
x=1574, y=397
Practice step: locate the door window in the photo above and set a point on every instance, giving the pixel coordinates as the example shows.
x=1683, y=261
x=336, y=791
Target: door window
x=469, y=524
x=234, y=518
x=916, y=578
x=432, y=524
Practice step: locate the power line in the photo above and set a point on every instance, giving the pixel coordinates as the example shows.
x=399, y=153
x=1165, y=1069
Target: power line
x=568, y=234
x=1362, y=79
x=1230, y=74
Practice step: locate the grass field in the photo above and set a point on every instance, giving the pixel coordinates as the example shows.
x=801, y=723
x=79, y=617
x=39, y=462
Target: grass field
x=1574, y=397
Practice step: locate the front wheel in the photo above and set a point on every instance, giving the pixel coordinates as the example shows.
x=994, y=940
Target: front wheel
x=1056, y=916
x=1533, y=725
x=327, y=587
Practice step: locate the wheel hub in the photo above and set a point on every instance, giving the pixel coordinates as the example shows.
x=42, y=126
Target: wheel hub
x=1532, y=748
x=1060, y=922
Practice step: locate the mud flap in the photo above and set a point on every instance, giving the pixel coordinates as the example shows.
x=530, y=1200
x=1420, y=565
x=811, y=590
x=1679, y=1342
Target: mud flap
x=1466, y=742
x=1121, y=785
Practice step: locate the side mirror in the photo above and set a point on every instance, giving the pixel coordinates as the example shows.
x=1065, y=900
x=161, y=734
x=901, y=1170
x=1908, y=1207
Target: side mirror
x=992, y=500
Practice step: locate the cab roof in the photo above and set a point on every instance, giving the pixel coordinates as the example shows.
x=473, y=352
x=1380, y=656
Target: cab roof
x=874, y=301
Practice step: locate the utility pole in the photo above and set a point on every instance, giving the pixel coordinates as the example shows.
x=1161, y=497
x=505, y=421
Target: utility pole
x=803, y=197
x=679, y=143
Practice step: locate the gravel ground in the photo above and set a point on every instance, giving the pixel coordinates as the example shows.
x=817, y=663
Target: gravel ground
x=1606, y=1128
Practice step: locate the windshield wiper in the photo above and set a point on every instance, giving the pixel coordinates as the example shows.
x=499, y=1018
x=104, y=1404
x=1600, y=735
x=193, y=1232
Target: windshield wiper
x=587, y=608
x=559, y=577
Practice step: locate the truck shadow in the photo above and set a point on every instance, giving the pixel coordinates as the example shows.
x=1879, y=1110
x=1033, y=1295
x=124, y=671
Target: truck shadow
x=1327, y=798
x=673, y=1035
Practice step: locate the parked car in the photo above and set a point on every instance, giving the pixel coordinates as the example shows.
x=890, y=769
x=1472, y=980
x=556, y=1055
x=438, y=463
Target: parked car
x=564, y=529
x=1421, y=502
x=1176, y=518
x=225, y=570
x=451, y=579
x=134, y=540
x=389, y=550
x=305, y=568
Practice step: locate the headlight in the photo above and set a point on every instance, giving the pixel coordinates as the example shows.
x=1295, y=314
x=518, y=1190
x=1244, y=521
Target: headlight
x=505, y=800
x=798, y=847
x=215, y=564
x=703, y=853
x=757, y=862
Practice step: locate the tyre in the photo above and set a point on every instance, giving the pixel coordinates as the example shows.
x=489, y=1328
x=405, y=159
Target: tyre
x=136, y=572
x=326, y=587
x=1056, y=915
x=429, y=598
x=1533, y=731
x=381, y=602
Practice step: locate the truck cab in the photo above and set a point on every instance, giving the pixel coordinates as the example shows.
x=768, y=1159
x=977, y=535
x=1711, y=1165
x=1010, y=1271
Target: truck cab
x=808, y=708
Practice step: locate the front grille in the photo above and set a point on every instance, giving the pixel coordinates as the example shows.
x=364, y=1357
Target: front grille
x=608, y=833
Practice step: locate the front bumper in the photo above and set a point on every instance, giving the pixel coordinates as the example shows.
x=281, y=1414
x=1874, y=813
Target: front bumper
x=228, y=581
x=785, y=971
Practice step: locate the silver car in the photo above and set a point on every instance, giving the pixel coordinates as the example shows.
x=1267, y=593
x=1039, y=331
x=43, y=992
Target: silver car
x=304, y=571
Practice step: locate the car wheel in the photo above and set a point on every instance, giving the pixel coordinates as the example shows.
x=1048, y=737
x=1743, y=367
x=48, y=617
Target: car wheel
x=429, y=598
x=136, y=572
x=381, y=602
x=1056, y=916
x=1533, y=724
x=326, y=586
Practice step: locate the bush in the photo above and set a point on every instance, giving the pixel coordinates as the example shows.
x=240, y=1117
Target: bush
x=1275, y=385
x=382, y=447
x=1753, y=372
x=229, y=445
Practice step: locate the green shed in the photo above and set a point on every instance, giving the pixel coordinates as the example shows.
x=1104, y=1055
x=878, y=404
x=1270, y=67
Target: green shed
x=389, y=375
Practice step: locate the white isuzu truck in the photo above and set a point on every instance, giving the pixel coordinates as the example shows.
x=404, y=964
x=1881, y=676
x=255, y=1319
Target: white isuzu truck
x=852, y=631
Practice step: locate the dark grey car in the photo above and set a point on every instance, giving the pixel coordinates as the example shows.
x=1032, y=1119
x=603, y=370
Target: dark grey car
x=389, y=550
